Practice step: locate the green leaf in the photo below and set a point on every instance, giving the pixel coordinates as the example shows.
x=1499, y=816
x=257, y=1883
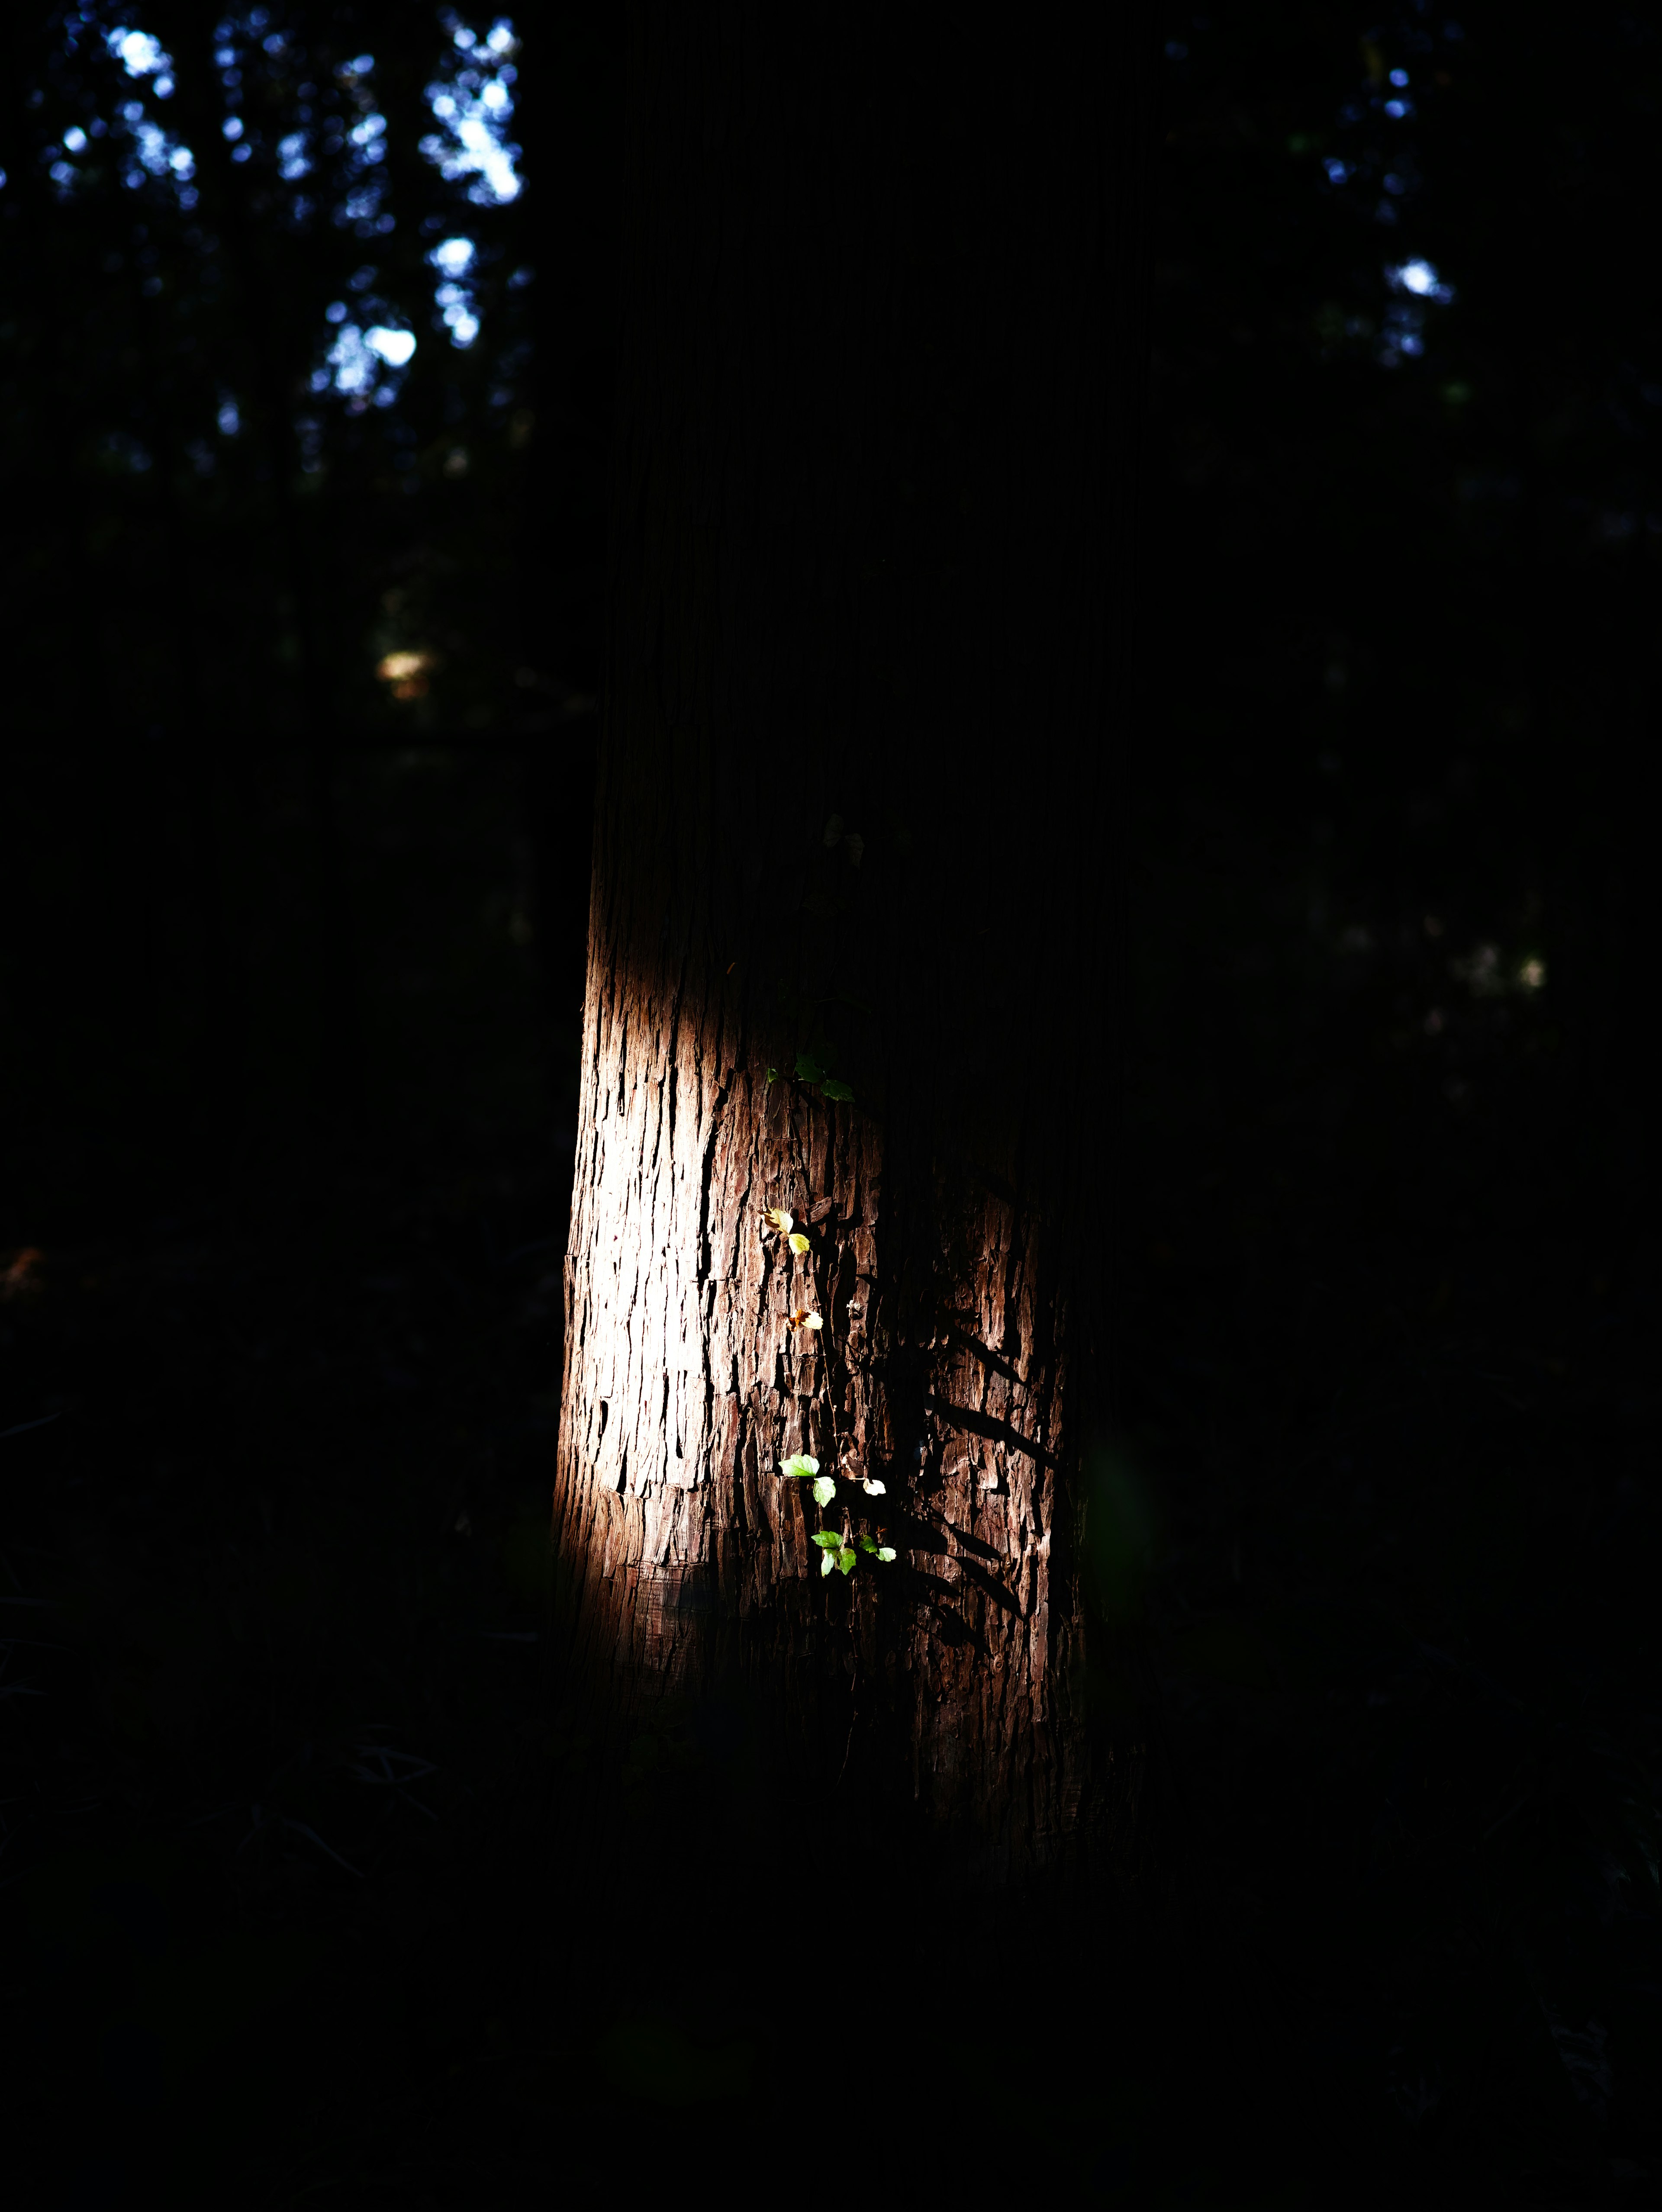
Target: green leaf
x=885, y=1553
x=824, y=1489
x=826, y=1563
x=798, y=1242
x=845, y=1559
x=808, y=1068
x=828, y=1541
x=773, y=1075
x=800, y=1463
x=832, y=1089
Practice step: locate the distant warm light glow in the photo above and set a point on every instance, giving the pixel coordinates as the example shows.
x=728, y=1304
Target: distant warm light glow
x=20, y=1275
x=1533, y=973
x=406, y=672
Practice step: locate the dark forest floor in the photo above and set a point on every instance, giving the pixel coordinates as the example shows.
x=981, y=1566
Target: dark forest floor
x=309, y=1895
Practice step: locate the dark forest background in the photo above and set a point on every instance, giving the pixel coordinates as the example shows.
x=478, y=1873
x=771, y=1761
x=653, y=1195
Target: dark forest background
x=304, y=638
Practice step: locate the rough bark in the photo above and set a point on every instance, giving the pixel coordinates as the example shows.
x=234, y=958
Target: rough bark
x=868, y=591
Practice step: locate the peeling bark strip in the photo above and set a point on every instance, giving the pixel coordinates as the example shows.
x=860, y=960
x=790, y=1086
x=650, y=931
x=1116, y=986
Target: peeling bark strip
x=853, y=819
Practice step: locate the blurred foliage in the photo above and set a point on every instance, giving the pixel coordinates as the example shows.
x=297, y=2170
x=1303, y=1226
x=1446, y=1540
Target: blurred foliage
x=226, y=530
x=243, y=549
x=1119, y=1546
x=1389, y=1352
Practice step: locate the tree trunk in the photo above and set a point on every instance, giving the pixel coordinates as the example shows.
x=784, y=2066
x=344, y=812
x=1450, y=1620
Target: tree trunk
x=855, y=835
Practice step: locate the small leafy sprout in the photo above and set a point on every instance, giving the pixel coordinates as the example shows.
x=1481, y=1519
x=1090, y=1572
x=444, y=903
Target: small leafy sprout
x=873, y=1488
x=824, y=1489
x=773, y=1075
x=836, y=1550
x=803, y=1319
x=884, y=1551
x=776, y=1217
x=798, y=1242
x=808, y=1070
x=800, y=1463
